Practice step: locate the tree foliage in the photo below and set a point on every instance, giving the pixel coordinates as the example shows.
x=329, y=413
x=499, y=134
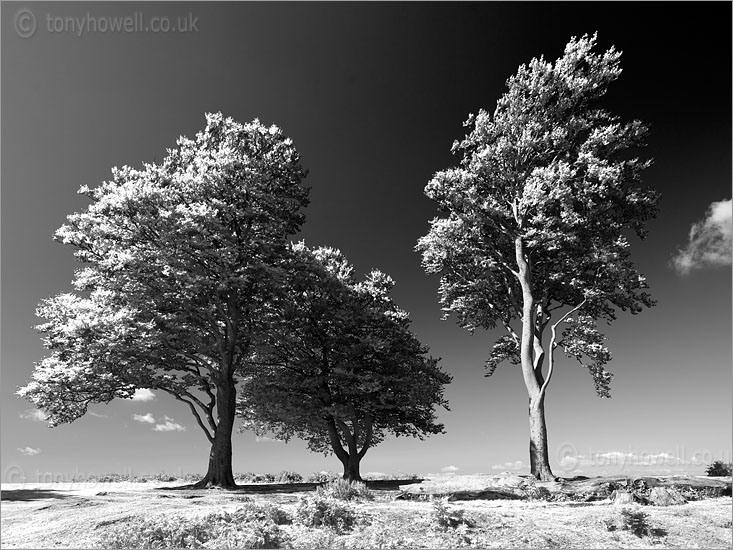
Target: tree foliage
x=181, y=263
x=536, y=220
x=352, y=371
x=553, y=169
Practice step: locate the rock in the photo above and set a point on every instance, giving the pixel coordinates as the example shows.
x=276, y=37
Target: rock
x=663, y=496
x=699, y=486
x=485, y=494
x=467, y=487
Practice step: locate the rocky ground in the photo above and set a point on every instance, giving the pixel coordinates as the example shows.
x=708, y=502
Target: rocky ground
x=579, y=513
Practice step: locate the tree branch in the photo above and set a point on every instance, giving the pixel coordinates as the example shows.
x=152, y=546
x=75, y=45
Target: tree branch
x=367, y=438
x=209, y=436
x=553, y=345
x=209, y=409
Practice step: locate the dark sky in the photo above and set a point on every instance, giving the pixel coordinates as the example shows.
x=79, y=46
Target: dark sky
x=373, y=95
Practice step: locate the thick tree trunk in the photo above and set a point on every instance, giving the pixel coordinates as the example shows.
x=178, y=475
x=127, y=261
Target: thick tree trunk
x=538, y=455
x=350, y=459
x=220, y=472
x=351, y=468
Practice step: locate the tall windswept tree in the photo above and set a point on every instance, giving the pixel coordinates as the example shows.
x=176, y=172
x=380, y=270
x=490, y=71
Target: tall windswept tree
x=182, y=261
x=534, y=237
x=344, y=369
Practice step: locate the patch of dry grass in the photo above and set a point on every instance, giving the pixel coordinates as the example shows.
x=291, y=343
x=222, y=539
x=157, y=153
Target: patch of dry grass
x=81, y=518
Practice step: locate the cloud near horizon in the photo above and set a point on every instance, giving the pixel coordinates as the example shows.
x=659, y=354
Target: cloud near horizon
x=710, y=240
x=169, y=426
x=29, y=451
x=143, y=394
x=622, y=460
x=145, y=419
x=450, y=468
x=518, y=465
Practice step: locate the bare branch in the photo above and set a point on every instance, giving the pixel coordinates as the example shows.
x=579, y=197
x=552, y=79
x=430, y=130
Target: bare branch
x=553, y=345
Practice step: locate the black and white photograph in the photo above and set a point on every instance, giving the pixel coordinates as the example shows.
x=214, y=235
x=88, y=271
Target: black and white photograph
x=330, y=274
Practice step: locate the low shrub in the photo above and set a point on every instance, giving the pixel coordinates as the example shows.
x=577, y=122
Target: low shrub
x=446, y=517
x=323, y=477
x=533, y=492
x=249, y=477
x=289, y=477
x=636, y=522
x=719, y=468
x=243, y=478
x=162, y=476
x=318, y=511
x=378, y=476
x=251, y=526
x=261, y=512
x=264, y=478
x=340, y=489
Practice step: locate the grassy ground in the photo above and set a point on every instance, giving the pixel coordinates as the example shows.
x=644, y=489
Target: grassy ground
x=88, y=514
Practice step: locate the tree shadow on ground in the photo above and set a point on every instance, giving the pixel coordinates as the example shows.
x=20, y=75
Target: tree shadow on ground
x=379, y=485
x=251, y=488
x=30, y=494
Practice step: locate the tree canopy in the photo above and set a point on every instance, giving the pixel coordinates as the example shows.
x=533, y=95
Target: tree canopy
x=352, y=371
x=182, y=260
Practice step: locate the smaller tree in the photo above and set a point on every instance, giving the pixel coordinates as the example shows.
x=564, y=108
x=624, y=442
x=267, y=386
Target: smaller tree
x=344, y=370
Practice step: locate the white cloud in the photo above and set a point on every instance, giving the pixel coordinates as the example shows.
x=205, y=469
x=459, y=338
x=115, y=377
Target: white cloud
x=659, y=459
x=450, y=468
x=710, y=240
x=619, y=459
x=145, y=419
x=613, y=456
x=29, y=451
x=169, y=426
x=143, y=394
x=98, y=415
x=518, y=465
x=33, y=414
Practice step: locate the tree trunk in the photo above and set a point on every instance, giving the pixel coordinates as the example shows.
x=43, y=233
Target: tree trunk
x=350, y=459
x=538, y=455
x=351, y=467
x=220, y=473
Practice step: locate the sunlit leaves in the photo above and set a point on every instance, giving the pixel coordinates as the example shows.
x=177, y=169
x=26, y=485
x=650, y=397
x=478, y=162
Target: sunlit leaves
x=582, y=340
x=505, y=349
x=555, y=170
x=183, y=261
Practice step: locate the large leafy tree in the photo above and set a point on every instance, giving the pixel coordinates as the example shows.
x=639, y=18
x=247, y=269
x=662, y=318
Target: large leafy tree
x=534, y=236
x=344, y=369
x=182, y=263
